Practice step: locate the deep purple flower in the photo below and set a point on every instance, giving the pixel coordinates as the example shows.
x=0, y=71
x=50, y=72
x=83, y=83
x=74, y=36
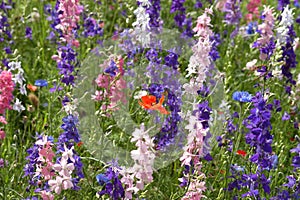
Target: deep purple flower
x=92, y=28
x=28, y=33
x=111, y=69
x=289, y=58
x=112, y=184
x=154, y=14
x=282, y=4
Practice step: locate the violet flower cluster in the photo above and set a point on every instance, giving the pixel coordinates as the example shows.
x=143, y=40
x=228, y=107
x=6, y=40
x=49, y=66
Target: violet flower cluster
x=181, y=21
x=233, y=13
x=288, y=54
x=266, y=42
x=5, y=32
x=260, y=139
x=66, y=62
x=111, y=183
x=47, y=176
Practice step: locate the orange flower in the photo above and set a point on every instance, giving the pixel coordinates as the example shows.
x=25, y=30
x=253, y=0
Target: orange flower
x=32, y=88
x=242, y=153
x=149, y=102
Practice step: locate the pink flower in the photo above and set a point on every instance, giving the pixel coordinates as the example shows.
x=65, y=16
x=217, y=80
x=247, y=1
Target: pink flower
x=60, y=183
x=70, y=15
x=6, y=89
x=64, y=168
x=2, y=120
x=2, y=134
x=68, y=153
x=46, y=195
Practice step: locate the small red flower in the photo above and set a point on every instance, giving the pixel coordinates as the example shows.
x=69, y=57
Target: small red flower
x=242, y=153
x=79, y=144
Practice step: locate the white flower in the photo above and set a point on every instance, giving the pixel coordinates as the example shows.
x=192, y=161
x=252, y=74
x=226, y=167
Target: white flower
x=140, y=94
x=18, y=78
x=14, y=65
x=251, y=64
x=283, y=26
x=18, y=106
x=23, y=89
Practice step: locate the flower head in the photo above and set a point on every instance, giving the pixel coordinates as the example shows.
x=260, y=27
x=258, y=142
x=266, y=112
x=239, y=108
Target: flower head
x=41, y=83
x=242, y=96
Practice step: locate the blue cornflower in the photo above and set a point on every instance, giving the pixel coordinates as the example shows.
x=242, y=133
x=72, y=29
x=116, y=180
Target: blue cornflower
x=41, y=83
x=242, y=96
x=102, y=179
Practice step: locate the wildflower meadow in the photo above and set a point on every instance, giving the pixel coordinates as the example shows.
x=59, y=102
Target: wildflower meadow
x=149, y=99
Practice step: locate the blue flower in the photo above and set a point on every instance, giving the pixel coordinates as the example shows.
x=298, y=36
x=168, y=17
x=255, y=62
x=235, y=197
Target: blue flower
x=102, y=179
x=41, y=83
x=242, y=96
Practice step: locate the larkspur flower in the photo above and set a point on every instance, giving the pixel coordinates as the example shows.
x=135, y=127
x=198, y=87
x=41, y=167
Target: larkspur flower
x=266, y=32
x=112, y=185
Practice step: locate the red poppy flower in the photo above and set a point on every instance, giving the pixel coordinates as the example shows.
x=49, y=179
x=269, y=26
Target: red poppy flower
x=242, y=153
x=149, y=102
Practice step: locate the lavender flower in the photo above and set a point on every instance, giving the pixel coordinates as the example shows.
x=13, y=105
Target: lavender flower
x=233, y=13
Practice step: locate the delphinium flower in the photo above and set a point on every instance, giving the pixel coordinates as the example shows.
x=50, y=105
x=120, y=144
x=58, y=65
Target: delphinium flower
x=178, y=8
x=233, y=13
x=287, y=20
x=200, y=59
x=69, y=16
x=286, y=39
x=52, y=16
x=183, y=22
x=66, y=61
x=291, y=189
x=141, y=27
x=65, y=146
x=64, y=166
x=165, y=78
x=282, y=4
x=39, y=164
x=191, y=157
x=112, y=185
x=253, y=11
x=260, y=139
x=5, y=31
x=28, y=33
x=6, y=91
x=140, y=174
x=265, y=42
x=154, y=14
x=18, y=78
x=216, y=41
x=92, y=27
x=111, y=84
